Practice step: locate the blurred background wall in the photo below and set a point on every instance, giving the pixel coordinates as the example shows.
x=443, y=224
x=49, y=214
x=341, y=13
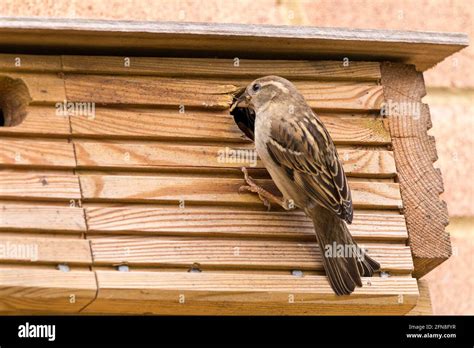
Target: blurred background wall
x=450, y=87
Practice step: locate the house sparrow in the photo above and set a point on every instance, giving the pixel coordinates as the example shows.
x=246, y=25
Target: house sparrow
x=300, y=156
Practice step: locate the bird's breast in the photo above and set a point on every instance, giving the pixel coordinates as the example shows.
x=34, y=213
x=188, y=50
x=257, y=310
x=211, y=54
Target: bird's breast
x=263, y=126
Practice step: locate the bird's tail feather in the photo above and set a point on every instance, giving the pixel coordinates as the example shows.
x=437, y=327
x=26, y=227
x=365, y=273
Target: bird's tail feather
x=344, y=261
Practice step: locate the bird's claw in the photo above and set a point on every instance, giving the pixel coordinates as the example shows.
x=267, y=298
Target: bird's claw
x=253, y=187
x=247, y=177
x=265, y=201
x=244, y=188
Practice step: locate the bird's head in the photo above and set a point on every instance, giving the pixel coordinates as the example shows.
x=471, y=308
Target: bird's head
x=263, y=91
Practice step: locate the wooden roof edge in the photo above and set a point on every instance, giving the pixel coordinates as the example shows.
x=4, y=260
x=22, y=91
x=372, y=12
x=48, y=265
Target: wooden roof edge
x=236, y=30
x=423, y=49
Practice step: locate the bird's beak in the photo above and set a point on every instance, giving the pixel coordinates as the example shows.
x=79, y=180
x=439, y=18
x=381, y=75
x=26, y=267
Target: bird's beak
x=242, y=101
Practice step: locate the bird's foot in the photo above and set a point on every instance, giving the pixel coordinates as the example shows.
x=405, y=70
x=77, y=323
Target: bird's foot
x=258, y=190
x=266, y=197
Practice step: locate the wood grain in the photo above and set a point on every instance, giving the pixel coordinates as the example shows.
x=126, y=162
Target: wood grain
x=43, y=250
x=32, y=63
x=44, y=88
x=178, y=67
x=232, y=253
x=420, y=183
x=41, y=218
x=150, y=123
x=32, y=153
x=423, y=306
x=134, y=90
x=156, y=156
x=210, y=94
x=40, y=121
x=356, y=129
x=234, y=293
x=235, y=223
x=127, y=188
x=39, y=186
x=137, y=123
x=208, y=67
x=42, y=290
x=341, y=95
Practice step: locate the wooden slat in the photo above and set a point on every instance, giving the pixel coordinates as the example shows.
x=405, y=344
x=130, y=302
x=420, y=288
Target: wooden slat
x=341, y=95
x=148, y=91
x=214, y=223
x=212, y=126
x=247, y=68
x=423, y=306
x=41, y=218
x=235, y=293
x=43, y=250
x=35, y=63
x=364, y=130
x=232, y=253
x=153, y=156
x=156, y=123
x=213, y=190
x=41, y=290
x=212, y=94
x=43, y=87
x=33, y=153
x=37, y=186
x=41, y=121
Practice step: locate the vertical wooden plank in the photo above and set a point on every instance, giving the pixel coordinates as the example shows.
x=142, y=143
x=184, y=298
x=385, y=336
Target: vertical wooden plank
x=423, y=306
x=414, y=152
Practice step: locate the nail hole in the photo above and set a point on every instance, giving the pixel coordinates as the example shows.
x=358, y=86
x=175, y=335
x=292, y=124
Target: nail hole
x=195, y=268
x=297, y=273
x=123, y=268
x=63, y=267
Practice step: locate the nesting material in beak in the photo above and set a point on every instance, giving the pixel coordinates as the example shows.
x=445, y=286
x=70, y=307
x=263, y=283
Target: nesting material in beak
x=241, y=100
x=244, y=117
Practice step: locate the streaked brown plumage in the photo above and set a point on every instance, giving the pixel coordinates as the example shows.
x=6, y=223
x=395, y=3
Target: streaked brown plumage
x=301, y=158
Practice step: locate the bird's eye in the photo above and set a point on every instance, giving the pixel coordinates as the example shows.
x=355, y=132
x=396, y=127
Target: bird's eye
x=256, y=87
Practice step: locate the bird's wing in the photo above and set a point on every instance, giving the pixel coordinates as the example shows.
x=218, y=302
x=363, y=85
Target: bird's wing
x=303, y=148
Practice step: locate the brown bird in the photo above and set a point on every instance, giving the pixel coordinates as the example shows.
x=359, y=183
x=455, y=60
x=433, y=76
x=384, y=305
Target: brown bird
x=300, y=156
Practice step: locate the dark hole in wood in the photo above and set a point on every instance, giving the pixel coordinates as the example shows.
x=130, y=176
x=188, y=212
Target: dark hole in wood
x=244, y=118
x=14, y=99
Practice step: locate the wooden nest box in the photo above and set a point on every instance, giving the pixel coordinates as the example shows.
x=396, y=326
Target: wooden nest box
x=114, y=198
